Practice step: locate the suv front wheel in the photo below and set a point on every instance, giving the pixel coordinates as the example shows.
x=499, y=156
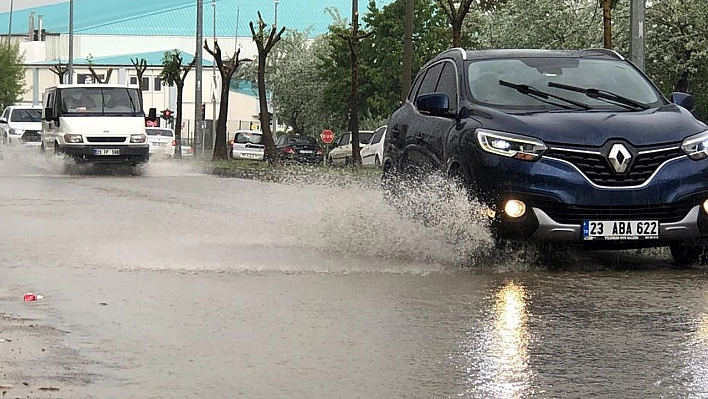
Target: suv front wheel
x=686, y=256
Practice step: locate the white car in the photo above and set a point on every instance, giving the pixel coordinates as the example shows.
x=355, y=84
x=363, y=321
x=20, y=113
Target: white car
x=21, y=124
x=372, y=153
x=247, y=144
x=187, y=150
x=341, y=154
x=159, y=138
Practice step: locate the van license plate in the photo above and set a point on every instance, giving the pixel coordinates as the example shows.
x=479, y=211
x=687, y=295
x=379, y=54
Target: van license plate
x=620, y=230
x=106, y=151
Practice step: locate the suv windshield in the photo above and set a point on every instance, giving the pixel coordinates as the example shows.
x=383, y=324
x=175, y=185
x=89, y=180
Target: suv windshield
x=545, y=74
x=26, y=115
x=99, y=100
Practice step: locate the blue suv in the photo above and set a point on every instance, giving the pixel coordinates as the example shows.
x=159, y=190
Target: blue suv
x=562, y=146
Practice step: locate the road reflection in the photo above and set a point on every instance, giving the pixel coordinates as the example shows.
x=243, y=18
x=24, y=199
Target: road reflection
x=504, y=369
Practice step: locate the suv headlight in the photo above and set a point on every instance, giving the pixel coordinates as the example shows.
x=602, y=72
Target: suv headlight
x=138, y=138
x=16, y=131
x=73, y=138
x=696, y=146
x=511, y=145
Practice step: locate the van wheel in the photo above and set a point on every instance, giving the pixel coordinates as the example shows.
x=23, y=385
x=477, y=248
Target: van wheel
x=686, y=256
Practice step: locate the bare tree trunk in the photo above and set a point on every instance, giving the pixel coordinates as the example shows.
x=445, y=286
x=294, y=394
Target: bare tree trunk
x=607, y=23
x=407, y=77
x=220, y=147
x=178, y=122
x=268, y=141
x=456, y=33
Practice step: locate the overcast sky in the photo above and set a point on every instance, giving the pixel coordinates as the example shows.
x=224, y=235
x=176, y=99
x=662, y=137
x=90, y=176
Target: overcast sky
x=20, y=4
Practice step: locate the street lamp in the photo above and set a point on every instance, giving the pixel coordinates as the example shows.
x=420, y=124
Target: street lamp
x=9, y=25
x=71, y=42
x=198, y=71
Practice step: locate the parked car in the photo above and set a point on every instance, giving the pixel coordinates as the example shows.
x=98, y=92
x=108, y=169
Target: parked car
x=341, y=154
x=159, y=138
x=372, y=153
x=299, y=149
x=187, y=150
x=21, y=124
x=561, y=146
x=247, y=144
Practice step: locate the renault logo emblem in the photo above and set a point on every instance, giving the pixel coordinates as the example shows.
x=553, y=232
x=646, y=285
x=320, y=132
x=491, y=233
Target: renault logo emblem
x=619, y=158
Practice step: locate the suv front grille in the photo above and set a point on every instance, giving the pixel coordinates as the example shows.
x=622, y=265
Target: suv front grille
x=574, y=214
x=106, y=139
x=597, y=168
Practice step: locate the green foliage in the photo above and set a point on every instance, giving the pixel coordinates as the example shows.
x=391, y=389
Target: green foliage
x=677, y=43
x=12, y=75
x=171, y=73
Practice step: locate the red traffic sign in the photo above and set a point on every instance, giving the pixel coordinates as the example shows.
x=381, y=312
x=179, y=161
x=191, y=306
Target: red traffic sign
x=327, y=136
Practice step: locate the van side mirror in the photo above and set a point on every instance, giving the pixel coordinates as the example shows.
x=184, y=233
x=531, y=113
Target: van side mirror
x=433, y=104
x=48, y=114
x=685, y=100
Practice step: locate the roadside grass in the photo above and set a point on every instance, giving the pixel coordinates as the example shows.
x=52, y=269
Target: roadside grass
x=291, y=172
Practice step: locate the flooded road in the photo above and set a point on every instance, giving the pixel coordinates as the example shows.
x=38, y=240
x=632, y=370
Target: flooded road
x=178, y=284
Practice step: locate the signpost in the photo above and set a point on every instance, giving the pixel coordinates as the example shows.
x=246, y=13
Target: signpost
x=327, y=136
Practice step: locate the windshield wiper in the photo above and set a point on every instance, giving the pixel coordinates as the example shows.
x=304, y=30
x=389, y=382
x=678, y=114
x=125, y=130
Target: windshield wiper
x=602, y=95
x=542, y=95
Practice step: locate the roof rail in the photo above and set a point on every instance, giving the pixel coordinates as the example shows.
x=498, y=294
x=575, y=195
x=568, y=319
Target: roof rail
x=605, y=51
x=460, y=49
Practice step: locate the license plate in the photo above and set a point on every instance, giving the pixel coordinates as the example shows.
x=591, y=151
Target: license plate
x=620, y=230
x=158, y=144
x=306, y=152
x=106, y=151
x=253, y=156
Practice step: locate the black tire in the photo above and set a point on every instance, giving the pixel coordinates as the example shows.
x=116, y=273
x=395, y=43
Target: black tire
x=686, y=256
x=330, y=161
x=377, y=161
x=347, y=161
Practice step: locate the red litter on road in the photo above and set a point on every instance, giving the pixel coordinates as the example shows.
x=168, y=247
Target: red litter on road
x=31, y=297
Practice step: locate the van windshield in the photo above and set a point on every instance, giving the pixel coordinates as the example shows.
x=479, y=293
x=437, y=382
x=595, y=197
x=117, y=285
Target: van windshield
x=118, y=101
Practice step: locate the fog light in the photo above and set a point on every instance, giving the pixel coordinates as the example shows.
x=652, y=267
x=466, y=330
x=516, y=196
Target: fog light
x=705, y=206
x=515, y=208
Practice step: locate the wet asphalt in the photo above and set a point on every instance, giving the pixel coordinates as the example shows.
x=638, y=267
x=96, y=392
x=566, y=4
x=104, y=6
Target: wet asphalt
x=172, y=283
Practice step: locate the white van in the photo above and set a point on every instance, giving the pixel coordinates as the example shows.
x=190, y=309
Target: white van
x=94, y=123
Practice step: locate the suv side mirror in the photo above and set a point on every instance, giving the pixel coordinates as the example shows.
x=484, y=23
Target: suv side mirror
x=684, y=99
x=48, y=114
x=434, y=104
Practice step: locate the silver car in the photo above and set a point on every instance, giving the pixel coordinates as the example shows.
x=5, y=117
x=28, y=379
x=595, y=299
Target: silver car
x=247, y=144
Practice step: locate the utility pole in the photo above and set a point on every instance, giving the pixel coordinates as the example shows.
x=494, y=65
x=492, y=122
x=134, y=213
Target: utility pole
x=275, y=59
x=213, y=78
x=9, y=25
x=71, y=42
x=637, y=11
x=407, y=50
x=198, y=127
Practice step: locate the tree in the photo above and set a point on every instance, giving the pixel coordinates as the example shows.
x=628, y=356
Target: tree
x=265, y=45
x=227, y=68
x=140, y=66
x=296, y=84
x=12, y=74
x=174, y=74
x=96, y=77
x=456, y=15
x=677, y=48
x=60, y=70
x=353, y=38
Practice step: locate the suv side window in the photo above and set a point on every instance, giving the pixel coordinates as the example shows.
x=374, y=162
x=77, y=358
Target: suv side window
x=448, y=84
x=6, y=113
x=430, y=81
x=415, y=87
x=344, y=140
